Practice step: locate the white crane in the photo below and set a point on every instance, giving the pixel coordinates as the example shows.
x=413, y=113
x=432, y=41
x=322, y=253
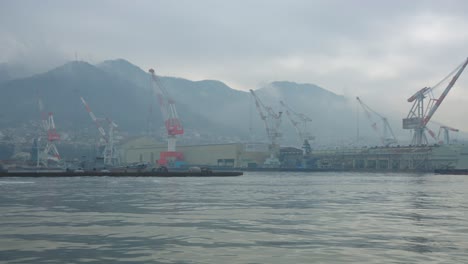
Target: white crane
x=387, y=137
x=272, y=122
x=110, y=154
x=420, y=114
x=299, y=122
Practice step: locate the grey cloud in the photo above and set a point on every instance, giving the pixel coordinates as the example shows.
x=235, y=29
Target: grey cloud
x=380, y=50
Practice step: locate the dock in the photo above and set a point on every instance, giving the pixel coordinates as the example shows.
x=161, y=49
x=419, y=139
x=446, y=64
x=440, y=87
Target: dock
x=122, y=174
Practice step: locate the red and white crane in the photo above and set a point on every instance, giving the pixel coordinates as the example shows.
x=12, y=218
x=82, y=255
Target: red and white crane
x=420, y=114
x=387, y=137
x=272, y=122
x=171, y=121
x=109, y=153
x=50, y=152
x=299, y=122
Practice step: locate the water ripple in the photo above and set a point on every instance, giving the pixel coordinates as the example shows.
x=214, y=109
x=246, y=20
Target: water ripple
x=257, y=218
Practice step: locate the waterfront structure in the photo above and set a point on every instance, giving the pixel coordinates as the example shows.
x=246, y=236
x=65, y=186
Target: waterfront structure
x=248, y=155
x=399, y=158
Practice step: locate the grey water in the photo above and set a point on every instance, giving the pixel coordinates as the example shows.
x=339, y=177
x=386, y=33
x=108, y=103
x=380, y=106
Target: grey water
x=255, y=218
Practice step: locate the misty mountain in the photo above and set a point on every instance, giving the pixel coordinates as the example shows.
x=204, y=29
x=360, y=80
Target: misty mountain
x=10, y=71
x=126, y=71
x=107, y=95
x=332, y=114
x=211, y=99
x=122, y=91
x=60, y=90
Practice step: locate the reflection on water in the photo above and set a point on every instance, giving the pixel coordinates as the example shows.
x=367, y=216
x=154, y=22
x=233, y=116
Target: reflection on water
x=257, y=218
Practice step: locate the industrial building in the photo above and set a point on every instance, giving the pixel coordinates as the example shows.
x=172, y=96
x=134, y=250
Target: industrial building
x=230, y=155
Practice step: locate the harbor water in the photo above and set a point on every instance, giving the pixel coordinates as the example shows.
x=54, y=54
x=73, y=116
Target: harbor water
x=261, y=217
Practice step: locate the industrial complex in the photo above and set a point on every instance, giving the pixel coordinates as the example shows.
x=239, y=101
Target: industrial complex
x=419, y=156
x=388, y=156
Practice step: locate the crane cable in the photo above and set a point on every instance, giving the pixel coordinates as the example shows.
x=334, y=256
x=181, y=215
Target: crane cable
x=448, y=76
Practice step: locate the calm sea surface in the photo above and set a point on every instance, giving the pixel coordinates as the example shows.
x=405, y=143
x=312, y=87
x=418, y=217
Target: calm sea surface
x=256, y=218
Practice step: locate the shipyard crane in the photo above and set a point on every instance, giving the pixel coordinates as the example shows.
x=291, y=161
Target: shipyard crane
x=445, y=131
x=299, y=122
x=272, y=122
x=171, y=121
x=109, y=152
x=49, y=152
x=387, y=137
x=150, y=122
x=420, y=114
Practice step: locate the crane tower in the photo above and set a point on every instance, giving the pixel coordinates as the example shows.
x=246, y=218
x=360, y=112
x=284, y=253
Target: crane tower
x=49, y=152
x=109, y=152
x=272, y=122
x=299, y=122
x=171, y=121
x=420, y=114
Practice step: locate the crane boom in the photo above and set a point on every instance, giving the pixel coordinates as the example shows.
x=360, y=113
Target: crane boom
x=109, y=152
x=444, y=93
x=272, y=122
x=260, y=109
x=299, y=122
x=44, y=121
x=167, y=106
x=93, y=117
x=387, y=137
x=271, y=119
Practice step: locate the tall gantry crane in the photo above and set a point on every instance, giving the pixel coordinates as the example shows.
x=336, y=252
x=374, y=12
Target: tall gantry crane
x=387, y=137
x=420, y=114
x=299, y=122
x=272, y=122
x=49, y=152
x=109, y=153
x=171, y=121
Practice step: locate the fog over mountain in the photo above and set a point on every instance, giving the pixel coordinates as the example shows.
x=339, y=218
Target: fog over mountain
x=332, y=114
x=381, y=51
x=121, y=91
x=210, y=110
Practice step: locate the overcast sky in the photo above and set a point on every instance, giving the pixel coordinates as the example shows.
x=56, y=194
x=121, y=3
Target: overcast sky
x=382, y=51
